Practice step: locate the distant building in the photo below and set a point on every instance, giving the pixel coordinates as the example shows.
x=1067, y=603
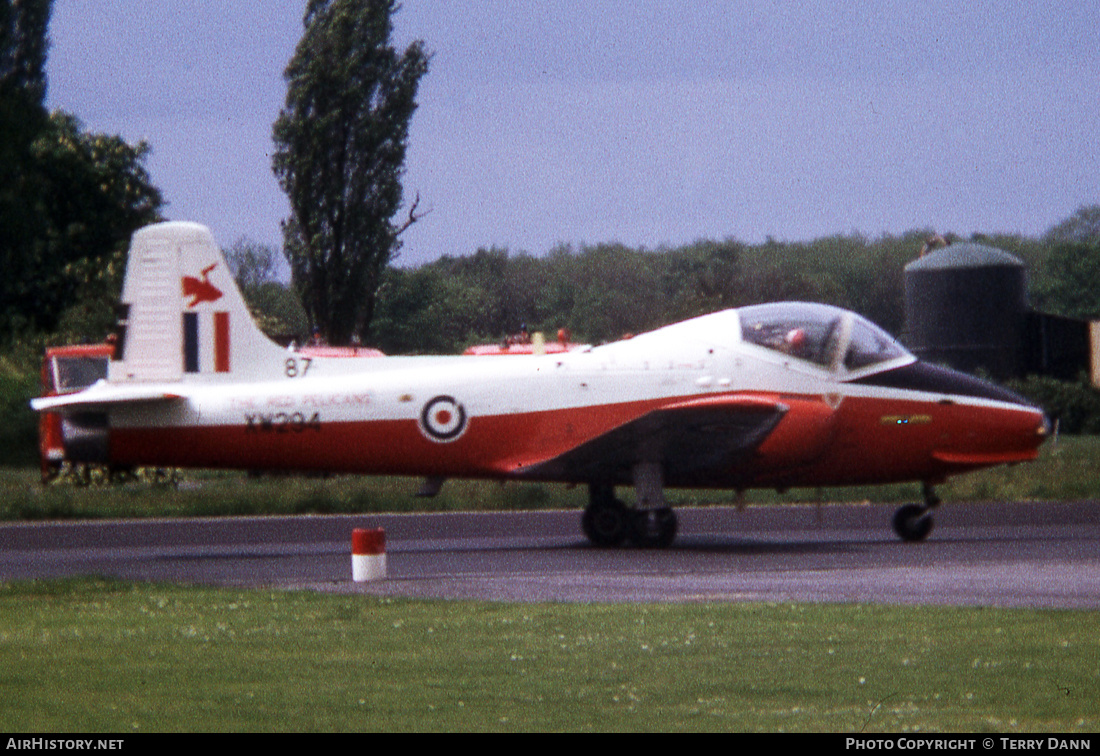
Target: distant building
x=966, y=306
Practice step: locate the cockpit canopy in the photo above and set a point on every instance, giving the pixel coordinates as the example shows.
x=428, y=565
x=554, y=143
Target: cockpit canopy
x=824, y=335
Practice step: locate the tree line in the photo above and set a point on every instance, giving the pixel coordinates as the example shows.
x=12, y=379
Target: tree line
x=604, y=291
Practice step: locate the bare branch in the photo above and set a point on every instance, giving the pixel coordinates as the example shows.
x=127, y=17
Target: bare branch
x=413, y=217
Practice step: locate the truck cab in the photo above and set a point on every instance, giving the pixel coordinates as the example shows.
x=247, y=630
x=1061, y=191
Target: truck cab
x=66, y=369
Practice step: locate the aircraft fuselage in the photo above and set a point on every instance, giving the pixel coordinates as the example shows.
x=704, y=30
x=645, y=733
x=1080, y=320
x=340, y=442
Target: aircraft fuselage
x=494, y=417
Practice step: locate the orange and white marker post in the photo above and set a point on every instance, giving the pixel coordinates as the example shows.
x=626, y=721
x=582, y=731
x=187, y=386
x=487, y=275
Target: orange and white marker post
x=368, y=555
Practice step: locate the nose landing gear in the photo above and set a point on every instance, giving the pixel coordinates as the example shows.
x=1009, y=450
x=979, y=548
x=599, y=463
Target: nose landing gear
x=913, y=522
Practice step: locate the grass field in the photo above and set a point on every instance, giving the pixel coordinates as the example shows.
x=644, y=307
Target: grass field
x=95, y=656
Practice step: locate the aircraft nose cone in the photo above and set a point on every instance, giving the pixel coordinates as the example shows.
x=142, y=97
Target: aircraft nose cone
x=1001, y=434
x=1027, y=430
x=1041, y=430
x=1046, y=428
x=983, y=423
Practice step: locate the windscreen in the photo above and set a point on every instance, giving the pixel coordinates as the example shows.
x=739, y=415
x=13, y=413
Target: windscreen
x=816, y=333
x=74, y=373
x=805, y=331
x=870, y=345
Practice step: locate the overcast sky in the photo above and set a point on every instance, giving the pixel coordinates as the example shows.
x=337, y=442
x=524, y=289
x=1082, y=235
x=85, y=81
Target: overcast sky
x=646, y=122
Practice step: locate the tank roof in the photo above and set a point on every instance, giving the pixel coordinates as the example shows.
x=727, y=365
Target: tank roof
x=965, y=255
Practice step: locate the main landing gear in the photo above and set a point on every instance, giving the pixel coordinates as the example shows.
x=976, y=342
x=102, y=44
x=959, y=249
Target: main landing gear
x=608, y=522
x=913, y=522
x=651, y=524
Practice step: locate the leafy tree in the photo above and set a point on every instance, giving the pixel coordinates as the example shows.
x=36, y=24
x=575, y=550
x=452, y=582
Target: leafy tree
x=1068, y=286
x=340, y=150
x=428, y=311
x=69, y=200
x=619, y=293
x=23, y=45
x=1075, y=405
x=601, y=292
x=276, y=309
x=252, y=263
x=278, y=313
x=1083, y=227
x=94, y=193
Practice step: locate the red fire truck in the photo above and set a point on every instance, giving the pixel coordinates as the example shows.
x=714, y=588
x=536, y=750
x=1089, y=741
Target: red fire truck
x=66, y=369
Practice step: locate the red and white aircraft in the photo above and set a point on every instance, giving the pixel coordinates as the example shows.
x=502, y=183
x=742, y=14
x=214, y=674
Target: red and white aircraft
x=775, y=395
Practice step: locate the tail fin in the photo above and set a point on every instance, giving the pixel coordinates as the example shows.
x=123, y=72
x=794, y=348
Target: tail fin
x=182, y=315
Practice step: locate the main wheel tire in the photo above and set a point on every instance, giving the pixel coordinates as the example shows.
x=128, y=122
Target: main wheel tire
x=653, y=528
x=913, y=523
x=606, y=524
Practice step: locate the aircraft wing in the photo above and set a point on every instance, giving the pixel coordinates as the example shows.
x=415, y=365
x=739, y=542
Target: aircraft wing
x=100, y=396
x=688, y=438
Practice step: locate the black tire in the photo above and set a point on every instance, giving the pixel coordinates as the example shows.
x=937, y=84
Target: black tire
x=606, y=524
x=653, y=528
x=913, y=523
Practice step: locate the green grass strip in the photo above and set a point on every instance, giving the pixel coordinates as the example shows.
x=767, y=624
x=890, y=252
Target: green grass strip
x=99, y=656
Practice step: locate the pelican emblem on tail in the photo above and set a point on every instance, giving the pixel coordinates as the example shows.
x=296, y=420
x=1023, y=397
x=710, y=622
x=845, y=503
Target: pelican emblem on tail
x=200, y=289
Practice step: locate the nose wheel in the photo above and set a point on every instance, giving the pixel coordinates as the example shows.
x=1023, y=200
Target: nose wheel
x=913, y=522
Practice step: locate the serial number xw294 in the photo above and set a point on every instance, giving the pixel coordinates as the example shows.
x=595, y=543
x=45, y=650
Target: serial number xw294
x=282, y=422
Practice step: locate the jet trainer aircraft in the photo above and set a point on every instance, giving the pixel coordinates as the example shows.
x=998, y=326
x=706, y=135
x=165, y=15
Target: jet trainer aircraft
x=775, y=395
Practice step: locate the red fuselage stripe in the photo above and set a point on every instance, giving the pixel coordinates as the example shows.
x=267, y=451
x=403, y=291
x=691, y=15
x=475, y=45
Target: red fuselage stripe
x=865, y=440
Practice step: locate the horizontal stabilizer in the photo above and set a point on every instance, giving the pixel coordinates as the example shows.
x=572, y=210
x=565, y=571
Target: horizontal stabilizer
x=101, y=396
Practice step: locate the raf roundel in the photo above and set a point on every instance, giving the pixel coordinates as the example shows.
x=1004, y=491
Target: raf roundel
x=443, y=419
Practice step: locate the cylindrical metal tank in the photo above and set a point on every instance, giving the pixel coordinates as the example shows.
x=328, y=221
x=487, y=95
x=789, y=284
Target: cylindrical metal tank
x=966, y=306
